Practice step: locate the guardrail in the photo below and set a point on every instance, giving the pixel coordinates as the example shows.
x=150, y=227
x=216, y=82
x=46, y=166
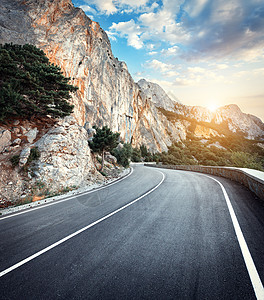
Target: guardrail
x=252, y=182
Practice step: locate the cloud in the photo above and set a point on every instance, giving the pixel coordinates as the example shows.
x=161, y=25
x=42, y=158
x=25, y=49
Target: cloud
x=171, y=51
x=152, y=53
x=160, y=66
x=189, y=29
x=202, y=29
x=225, y=29
x=105, y=6
x=129, y=30
x=87, y=8
x=109, y=7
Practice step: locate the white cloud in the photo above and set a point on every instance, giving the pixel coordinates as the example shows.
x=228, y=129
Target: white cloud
x=171, y=51
x=172, y=74
x=157, y=24
x=87, y=8
x=111, y=35
x=105, y=6
x=122, y=6
x=196, y=70
x=222, y=66
x=129, y=30
x=158, y=65
x=152, y=53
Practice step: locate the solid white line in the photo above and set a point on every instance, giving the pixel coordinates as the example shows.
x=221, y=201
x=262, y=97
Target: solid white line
x=63, y=200
x=251, y=268
x=24, y=261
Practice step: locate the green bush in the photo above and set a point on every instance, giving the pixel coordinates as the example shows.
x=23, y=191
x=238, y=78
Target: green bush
x=34, y=155
x=196, y=152
x=123, y=155
x=14, y=160
x=136, y=155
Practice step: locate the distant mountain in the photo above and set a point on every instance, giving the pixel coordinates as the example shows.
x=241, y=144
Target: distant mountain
x=229, y=116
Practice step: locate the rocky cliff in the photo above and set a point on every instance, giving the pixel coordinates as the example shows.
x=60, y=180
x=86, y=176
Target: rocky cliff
x=107, y=94
x=229, y=117
x=142, y=112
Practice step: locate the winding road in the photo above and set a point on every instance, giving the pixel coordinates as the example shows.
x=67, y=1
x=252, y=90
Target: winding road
x=157, y=234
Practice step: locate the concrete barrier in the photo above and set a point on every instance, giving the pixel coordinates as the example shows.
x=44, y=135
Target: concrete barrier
x=252, y=179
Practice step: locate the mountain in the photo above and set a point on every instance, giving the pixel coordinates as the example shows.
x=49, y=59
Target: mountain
x=142, y=112
x=107, y=93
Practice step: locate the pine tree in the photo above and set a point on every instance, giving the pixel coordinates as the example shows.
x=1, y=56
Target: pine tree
x=104, y=140
x=30, y=85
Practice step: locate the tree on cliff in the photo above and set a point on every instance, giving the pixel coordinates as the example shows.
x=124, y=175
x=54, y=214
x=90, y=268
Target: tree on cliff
x=104, y=140
x=30, y=85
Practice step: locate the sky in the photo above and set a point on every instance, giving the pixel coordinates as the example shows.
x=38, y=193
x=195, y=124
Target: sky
x=202, y=52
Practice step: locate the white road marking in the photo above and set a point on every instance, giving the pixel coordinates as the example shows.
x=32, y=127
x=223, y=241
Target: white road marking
x=24, y=261
x=63, y=200
x=251, y=268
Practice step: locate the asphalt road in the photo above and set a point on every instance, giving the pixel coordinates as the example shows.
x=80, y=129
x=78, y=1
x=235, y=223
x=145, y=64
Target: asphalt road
x=176, y=242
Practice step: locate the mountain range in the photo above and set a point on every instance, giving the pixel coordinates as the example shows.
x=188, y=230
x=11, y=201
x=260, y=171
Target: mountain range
x=142, y=112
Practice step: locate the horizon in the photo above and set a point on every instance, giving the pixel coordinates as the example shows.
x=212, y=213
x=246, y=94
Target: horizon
x=202, y=52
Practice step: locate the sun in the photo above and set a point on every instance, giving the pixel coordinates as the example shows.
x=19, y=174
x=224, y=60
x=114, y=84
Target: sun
x=212, y=106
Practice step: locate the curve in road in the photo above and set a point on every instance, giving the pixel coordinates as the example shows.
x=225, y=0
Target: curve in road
x=178, y=242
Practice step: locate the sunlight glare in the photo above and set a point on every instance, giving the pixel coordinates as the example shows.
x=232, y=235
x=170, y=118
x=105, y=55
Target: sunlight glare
x=212, y=106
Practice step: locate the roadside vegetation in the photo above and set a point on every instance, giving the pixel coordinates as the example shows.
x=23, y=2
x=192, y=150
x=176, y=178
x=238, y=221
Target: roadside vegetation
x=230, y=151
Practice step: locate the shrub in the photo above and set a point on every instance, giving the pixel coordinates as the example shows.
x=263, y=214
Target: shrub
x=14, y=160
x=123, y=155
x=34, y=155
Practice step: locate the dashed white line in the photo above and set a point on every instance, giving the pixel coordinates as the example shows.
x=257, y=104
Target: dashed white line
x=24, y=261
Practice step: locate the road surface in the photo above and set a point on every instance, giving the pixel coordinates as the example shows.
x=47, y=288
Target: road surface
x=157, y=234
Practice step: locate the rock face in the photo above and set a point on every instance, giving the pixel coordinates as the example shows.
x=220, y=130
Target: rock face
x=236, y=120
x=107, y=94
x=65, y=159
x=156, y=95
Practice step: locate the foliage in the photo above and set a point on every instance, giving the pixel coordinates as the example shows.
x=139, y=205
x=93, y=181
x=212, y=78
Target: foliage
x=123, y=154
x=34, y=154
x=136, y=155
x=143, y=150
x=104, y=140
x=14, y=160
x=30, y=85
x=239, y=153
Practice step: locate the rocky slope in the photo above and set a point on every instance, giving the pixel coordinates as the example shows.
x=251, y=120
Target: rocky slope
x=229, y=116
x=107, y=95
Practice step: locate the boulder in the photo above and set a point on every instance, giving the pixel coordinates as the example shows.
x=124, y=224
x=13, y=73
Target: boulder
x=23, y=130
x=16, y=142
x=110, y=158
x=31, y=135
x=16, y=122
x=24, y=156
x=5, y=139
x=91, y=132
x=65, y=156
